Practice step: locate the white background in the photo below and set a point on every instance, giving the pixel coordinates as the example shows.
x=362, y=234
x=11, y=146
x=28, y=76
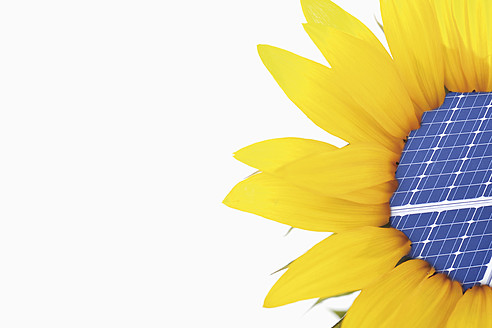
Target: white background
x=117, y=127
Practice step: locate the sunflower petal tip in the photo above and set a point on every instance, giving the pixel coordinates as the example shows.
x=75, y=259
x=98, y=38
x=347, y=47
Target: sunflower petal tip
x=271, y=301
x=241, y=154
x=231, y=199
x=263, y=48
x=310, y=29
x=266, y=304
x=226, y=201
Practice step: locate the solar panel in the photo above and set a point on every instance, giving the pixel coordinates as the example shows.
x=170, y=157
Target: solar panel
x=444, y=199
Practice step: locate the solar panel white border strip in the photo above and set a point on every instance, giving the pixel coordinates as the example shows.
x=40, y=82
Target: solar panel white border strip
x=447, y=205
x=487, y=277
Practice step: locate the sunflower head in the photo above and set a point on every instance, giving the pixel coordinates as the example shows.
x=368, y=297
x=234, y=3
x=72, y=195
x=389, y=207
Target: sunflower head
x=409, y=199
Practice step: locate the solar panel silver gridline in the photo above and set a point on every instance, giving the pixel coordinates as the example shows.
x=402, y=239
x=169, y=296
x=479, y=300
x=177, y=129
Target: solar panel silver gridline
x=444, y=199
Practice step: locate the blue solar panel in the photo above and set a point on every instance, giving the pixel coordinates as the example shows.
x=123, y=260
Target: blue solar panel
x=448, y=158
x=445, y=189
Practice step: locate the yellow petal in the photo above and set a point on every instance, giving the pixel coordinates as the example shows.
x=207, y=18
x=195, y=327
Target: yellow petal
x=472, y=19
x=343, y=262
x=454, y=75
x=278, y=200
x=377, y=194
x=430, y=304
x=371, y=76
x=271, y=154
x=413, y=36
x=375, y=305
x=465, y=29
x=327, y=13
x=321, y=95
x=341, y=171
x=458, y=67
x=474, y=309
x=480, y=28
x=408, y=296
x=320, y=34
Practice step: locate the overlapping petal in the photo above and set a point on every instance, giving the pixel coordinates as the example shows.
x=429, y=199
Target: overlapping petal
x=278, y=200
x=343, y=262
x=325, y=12
x=408, y=296
x=474, y=309
x=376, y=304
x=351, y=168
x=413, y=36
x=269, y=155
x=377, y=194
x=331, y=172
x=327, y=98
x=465, y=28
x=342, y=38
x=372, y=79
x=430, y=304
x=458, y=61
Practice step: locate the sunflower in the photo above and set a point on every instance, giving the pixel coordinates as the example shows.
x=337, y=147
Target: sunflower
x=440, y=50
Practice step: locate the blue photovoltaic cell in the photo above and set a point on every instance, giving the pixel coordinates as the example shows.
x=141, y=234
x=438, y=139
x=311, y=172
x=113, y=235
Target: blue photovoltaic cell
x=448, y=161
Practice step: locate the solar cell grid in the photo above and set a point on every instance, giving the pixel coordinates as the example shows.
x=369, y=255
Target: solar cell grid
x=457, y=242
x=448, y=158
x=444, y=199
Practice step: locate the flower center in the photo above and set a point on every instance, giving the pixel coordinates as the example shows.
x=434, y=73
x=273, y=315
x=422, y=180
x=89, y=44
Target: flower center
x=444, y=199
